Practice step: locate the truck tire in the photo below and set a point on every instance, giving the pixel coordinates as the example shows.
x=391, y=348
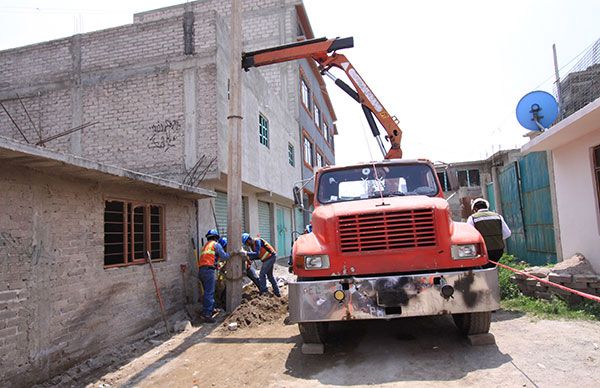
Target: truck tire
x=313, y=332
x=473, y=323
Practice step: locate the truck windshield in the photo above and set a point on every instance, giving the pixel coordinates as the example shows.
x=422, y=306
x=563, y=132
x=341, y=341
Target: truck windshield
x=364, y=182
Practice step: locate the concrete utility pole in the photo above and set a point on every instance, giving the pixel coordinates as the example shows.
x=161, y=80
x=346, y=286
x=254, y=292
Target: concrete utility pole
x=234, y=165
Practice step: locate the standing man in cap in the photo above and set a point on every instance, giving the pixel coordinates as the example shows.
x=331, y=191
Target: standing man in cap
x=492, y=227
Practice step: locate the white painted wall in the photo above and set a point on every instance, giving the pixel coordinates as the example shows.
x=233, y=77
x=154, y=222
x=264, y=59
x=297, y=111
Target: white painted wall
x=576, y=198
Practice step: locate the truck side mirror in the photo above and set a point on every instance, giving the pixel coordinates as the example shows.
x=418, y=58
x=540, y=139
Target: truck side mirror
x=298, y=197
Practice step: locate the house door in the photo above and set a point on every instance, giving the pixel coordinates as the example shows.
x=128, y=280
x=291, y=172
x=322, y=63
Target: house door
x=527, y=209
x=284, y=231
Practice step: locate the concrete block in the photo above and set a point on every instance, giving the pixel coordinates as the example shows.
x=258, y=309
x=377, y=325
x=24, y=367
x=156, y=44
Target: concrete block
x=313, y=348
x=531, y=282
x=585, y=278
x=543, y=295
x=481, y=339
x=556, y=278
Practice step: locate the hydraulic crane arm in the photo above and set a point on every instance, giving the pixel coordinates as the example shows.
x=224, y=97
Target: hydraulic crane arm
x=323, y=51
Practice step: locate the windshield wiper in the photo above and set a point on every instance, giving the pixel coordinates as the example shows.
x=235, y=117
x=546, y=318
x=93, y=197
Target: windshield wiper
x=396, y=194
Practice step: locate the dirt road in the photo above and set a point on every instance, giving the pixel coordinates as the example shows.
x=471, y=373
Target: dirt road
x=403, y=352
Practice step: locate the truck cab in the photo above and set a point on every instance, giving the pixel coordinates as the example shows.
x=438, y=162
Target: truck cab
x=383, y=246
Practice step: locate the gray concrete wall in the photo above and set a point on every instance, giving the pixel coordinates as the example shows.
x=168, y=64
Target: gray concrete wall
x=58, y=304
x=156, y=107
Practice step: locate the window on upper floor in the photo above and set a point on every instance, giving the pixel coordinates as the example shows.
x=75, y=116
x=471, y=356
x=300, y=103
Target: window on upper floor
x=319, y=160
x=317, y=116
x=326, y=131
x=305, y=91
x=468, y=178
x=308, y=152
x=130, y=230
x=291, y=155
x=263, y=130
x=596, y=151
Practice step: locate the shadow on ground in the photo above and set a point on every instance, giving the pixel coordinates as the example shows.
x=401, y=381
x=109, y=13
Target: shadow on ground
x=378, y=352
x=506, y=315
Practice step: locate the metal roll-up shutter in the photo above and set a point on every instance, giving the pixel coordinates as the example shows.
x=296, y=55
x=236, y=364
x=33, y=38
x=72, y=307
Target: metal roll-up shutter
x=265, y=220
x=221, y=212
x=244, y=214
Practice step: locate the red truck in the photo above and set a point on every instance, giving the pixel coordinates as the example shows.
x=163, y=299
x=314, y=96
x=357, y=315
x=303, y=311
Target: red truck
x=383, y=244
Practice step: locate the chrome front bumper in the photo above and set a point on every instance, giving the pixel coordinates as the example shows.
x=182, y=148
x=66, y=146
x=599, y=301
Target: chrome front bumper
x=386, y=297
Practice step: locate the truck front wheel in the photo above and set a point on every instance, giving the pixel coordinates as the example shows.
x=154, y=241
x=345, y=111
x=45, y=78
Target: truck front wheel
x=473, y=323
x=313, y=332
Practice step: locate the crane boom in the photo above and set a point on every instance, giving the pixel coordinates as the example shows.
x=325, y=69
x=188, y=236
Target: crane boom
x=324, y=52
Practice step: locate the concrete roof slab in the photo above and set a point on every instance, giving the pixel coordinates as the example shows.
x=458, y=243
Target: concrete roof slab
x=41, y=159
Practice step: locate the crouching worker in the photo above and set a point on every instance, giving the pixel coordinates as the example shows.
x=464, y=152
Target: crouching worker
x=261, y=250
x=211, y=252
x=250, y=273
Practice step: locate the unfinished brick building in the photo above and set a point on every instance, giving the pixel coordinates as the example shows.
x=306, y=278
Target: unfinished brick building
x=154, y=94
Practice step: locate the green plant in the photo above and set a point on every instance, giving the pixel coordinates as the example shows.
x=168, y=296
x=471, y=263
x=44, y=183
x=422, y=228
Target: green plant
x=554, y=308
x=508, y=289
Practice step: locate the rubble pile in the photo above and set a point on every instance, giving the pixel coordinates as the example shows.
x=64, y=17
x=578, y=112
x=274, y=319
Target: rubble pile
x=576, y=273
x=256, y=309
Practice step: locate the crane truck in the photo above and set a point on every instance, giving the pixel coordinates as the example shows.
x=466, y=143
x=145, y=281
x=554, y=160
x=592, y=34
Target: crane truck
x=383, y=244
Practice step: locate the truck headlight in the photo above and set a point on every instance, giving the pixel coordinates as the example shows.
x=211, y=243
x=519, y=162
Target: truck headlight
x=316, y=262
x=466, y=251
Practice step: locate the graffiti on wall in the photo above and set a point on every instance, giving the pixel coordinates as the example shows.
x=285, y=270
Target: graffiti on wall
x=164, y=134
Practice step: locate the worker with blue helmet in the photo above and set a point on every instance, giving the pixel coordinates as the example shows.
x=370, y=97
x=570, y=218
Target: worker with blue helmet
x=250, y=272
x=211, y=252
x=259, y=249
x=223, y=242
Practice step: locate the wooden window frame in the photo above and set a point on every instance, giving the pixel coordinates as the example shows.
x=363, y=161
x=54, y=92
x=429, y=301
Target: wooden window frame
x=317, y=117
x=291, y=155
x=317, y=155
x=261, y=135
x=326, y=135
x=312, y=150
x=308, y=94
x=129, y=246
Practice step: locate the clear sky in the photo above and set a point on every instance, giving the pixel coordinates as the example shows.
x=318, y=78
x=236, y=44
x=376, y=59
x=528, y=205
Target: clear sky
x=451, y=71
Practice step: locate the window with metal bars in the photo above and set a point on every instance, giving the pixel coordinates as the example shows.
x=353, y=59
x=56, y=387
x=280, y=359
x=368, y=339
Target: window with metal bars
x=131, y=229
x=263, y=130
x=291, y=155
x=443, y=177
x=468, y=178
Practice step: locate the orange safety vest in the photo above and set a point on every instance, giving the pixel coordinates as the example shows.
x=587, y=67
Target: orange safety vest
x=266, y=250
x=208, y=256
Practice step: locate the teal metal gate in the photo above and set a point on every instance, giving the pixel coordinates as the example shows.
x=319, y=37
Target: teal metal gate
x=527, y=209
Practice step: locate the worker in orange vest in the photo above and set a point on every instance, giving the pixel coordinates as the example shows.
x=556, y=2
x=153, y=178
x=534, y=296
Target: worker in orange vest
x=211, y=252
x=263, y=251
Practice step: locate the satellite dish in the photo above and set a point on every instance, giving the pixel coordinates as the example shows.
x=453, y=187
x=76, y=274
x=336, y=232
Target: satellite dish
x=537, y=110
